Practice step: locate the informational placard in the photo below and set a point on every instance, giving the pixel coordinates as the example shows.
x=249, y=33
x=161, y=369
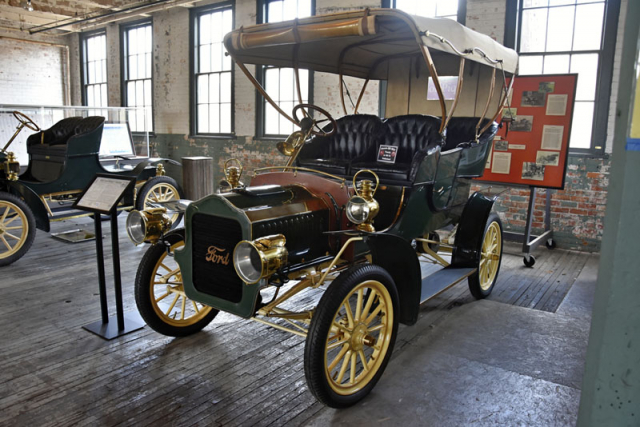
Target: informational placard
x=104, y=193
x=387, y=153
x=533, y=148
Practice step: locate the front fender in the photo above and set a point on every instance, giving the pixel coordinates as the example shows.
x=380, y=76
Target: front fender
x=398, y=257
x=471, y=230
x=34, y=203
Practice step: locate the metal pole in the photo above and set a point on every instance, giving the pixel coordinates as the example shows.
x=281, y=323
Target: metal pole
x=101, y=276
x=527, y=230
x=547, y=212
x=116, y=269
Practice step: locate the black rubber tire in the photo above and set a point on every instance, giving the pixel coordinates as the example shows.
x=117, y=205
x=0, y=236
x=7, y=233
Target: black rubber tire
x=550, y=246
x=530, y=263
x=141, y=287
x=314, y=352
x=474, y=280
x=146, y=187
x=31, y=227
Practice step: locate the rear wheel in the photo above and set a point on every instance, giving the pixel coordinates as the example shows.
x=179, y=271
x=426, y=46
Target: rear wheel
x=159, y=189
x=352, y=335
x=17, y=228
x=160, y=295
x=482, y=281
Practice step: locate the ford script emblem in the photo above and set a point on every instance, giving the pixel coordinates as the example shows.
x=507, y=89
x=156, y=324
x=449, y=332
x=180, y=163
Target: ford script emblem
x=215, y=255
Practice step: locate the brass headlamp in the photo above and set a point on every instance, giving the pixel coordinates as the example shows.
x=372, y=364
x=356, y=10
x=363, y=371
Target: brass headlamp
x=260, y=258
x=232, y=175
x=147, y=225
x=363, y=208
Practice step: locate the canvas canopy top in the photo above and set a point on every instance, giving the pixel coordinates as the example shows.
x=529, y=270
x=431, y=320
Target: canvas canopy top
x=361, y=43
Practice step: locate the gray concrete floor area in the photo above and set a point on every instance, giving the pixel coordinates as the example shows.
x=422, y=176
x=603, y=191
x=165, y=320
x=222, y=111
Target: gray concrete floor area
x=513, y=359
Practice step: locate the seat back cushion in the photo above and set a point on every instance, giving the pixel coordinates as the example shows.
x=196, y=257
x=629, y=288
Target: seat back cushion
x=353, y=136
x=411, y=133
x=463, y=129
x=57, y=134
x=88, y=124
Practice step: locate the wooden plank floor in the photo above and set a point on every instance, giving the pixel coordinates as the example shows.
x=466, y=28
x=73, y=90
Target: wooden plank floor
x=235, y=372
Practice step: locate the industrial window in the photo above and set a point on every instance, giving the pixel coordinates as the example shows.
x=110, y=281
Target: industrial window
x=280, y=83
x=572, y=36
x=451, y=9
x=137, y=54
x=94, y=70
x=213, y=88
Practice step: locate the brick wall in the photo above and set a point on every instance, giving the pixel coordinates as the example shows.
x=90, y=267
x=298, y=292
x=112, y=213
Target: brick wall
x=32, y=73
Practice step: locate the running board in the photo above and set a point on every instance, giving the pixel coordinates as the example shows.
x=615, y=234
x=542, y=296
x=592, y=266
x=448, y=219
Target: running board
x=442, y=280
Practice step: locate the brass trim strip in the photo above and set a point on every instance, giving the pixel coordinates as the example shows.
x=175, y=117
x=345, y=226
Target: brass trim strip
x=296, y=169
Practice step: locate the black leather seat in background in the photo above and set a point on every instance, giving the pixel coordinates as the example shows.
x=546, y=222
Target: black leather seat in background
x=333, y=154
x=463, y=129
x=414, y=135
x=56, y=135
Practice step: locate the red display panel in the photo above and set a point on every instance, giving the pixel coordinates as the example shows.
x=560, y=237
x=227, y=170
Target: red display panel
x=533, y=149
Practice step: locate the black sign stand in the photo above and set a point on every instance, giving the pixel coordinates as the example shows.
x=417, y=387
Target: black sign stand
x=111, y=189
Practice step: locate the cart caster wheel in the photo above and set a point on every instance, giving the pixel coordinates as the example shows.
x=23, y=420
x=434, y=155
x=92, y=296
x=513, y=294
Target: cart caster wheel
x=531, y=262
x=551, y=244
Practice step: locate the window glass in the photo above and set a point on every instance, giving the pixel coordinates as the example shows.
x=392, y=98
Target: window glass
x=214, y=88
x=429, y=8
x=280, y=83
x=95, y=70
x=565, y=36
x=138, y=51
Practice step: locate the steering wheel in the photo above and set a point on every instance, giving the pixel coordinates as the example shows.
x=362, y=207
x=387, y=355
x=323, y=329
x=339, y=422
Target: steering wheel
x=26, y=120
x=314, y=123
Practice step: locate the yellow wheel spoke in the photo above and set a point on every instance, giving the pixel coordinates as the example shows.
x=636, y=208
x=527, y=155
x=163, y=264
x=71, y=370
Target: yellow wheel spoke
x=17, y=227
x=184, y=304
x=341, y=327
x=376, y=328
x=343, y=368
x=336, y=344
x=163, y=297
x=367, y=307
x=4, y=215
x=11, y=220
x=347, y=308
x=11, y=235
x=373, y=315
x=195, y=306
x=173, y=304
x=359, y=303
x=352, y=377
x=338, y=358
x=9, y=247
x=363, y=359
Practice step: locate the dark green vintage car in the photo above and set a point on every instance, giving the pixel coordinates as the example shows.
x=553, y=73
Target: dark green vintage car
x=62, y=162
x=355, y=207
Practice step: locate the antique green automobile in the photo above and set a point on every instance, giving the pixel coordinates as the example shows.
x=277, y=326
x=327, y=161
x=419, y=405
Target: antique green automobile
x=356, y=205
x=62, y=162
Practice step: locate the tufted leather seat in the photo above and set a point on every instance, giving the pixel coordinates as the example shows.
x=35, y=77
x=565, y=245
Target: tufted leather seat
x=414, y=135
x=58, y=134
x=333, y=154
x=463, y=129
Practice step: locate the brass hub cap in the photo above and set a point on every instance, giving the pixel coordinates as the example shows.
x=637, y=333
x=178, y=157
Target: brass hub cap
x=14, y=228
x=490, y=258
x=168, y=298
x=359, y=337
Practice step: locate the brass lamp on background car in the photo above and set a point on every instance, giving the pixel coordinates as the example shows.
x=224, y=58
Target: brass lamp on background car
x=362, y=208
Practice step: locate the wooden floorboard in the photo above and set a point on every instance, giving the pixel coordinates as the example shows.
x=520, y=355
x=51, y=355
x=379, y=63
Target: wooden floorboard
x=235, y=372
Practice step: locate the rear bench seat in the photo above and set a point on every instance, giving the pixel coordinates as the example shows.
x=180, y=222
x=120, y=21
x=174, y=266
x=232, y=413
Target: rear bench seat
x=333, y=154
x=461, y=130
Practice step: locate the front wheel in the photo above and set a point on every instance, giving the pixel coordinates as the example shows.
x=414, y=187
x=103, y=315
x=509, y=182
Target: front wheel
x=17, y=228
x=352, y=334
x=160, y=295
x=159, y=189
x=481, y=282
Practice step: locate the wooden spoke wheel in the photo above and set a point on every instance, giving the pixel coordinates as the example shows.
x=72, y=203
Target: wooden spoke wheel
x=352, y=335
x=482, y=282
x=160, y=294
x=17, y=228
x=159, y=189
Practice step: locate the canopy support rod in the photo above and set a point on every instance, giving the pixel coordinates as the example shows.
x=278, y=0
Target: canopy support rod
x=364, y=86
x=486, y=107
x=436, y=82
x=505, y=97
x=458, y=91
x=344, y=107
x=263, y=92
